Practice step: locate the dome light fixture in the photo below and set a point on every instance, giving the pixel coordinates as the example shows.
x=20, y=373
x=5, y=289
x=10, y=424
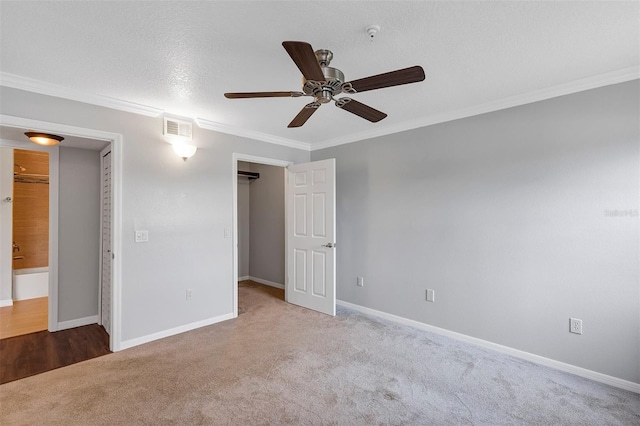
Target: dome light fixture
x=184, y=150
x=44, y=139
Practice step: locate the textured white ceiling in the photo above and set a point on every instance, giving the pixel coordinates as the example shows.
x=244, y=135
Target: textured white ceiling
x=182, y=56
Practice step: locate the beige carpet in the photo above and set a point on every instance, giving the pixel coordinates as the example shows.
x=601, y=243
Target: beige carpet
x=281, y=364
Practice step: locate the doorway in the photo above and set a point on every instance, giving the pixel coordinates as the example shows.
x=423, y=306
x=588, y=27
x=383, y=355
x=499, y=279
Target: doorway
x=25, y=213
x=271, y=269
x=82, y=141
x=310, y=235
x=79, y=237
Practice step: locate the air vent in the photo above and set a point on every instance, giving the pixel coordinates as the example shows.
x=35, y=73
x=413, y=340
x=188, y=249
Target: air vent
x=173, y=127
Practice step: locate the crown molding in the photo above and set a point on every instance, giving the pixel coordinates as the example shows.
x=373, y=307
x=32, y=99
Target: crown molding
x=43, y=88
x=593, y=82
x=251, y=134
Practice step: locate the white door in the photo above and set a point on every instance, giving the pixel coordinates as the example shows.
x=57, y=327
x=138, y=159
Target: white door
x=311, y=236
x=105, y=279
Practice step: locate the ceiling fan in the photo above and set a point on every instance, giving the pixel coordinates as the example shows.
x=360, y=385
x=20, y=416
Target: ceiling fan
x=323, y=83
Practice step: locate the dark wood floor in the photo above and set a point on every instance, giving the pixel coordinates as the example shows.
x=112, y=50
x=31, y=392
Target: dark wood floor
x=35, y=353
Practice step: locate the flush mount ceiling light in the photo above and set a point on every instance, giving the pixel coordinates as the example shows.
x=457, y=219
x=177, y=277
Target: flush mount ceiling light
x=184, y=150
x=45, y=139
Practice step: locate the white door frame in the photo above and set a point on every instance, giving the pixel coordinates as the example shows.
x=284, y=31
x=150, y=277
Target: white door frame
x=234, y=181
x=116, y=233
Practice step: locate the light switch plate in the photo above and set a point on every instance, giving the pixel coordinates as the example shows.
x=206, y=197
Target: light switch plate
x=141, y=236
x=431, y=295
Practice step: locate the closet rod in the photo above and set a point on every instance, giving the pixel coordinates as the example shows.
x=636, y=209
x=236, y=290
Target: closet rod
x=250, y=175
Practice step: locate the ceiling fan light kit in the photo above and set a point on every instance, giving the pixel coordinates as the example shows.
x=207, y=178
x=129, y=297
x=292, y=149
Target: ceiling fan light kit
x=323, y=82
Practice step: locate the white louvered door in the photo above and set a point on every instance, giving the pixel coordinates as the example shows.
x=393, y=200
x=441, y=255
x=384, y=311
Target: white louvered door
x=105, y=279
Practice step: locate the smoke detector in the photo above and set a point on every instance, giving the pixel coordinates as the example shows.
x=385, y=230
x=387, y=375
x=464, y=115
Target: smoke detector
x=372, y=31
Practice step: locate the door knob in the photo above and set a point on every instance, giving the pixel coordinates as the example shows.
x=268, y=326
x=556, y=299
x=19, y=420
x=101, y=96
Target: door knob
x=329, y=245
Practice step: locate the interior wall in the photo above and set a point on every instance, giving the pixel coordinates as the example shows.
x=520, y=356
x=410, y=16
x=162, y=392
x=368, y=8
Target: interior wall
x=6, y=225
x=243, y=221
x=185, y=206
x=31, y=210
x=266, y=218
x=518, y=219
x=78, y=233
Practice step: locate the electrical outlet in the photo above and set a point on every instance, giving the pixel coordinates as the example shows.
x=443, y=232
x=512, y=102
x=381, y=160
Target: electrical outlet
x=189, y=292
x=575, y=325
x=360, y=282
x=431, y=295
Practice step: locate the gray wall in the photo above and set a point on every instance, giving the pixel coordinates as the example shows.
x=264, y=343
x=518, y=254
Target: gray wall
x=266, y=249
x=508, y=217
x=185, y=206
x=243, y=221
x=79, y=233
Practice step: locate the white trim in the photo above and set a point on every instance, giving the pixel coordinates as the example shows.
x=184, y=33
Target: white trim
x=116, y=232
x=6, y=302
x=246, y=277
x=38, y=86
x=64, y=325
x=173, y=331
x=235, y=157
x=266, y=282
x=251, y=134
x=593, y=82
x=558, y=365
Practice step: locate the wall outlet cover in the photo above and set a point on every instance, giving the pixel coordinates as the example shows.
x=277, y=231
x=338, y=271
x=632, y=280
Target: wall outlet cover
x=575, y=325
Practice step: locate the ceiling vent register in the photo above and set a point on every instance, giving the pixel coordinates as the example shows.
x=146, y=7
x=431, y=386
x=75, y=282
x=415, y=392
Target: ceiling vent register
x=182, y=129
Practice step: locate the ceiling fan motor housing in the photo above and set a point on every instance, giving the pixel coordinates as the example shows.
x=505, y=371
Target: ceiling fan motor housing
x=324, y=91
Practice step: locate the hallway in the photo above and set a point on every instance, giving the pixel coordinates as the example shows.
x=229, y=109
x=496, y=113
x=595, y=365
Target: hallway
x=24, y=356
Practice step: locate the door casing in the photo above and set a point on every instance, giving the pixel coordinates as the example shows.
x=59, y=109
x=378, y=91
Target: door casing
x=116, y=156
x=234, y=170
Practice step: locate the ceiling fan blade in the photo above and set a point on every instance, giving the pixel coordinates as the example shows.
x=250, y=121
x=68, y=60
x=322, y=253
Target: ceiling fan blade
x=387, y=79
x=302, y=54
x=304, y=114
x=245, y=95
x=360, y=109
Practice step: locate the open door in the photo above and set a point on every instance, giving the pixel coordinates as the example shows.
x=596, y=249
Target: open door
x=311, y=236
x=105, y=244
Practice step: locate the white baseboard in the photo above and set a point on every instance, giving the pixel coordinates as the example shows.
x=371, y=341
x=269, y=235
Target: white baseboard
x=558, y=365
x=246, y=277
x=6, y=302
x=266, y=282
x=93, y=319
x=172, y=331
